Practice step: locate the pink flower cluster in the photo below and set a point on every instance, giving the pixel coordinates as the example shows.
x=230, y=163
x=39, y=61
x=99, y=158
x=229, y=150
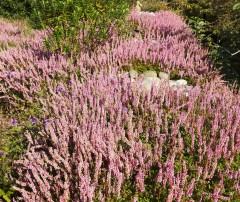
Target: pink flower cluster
x=166, y=40
x=16, y=34
x=9, y=34
x=106, y=130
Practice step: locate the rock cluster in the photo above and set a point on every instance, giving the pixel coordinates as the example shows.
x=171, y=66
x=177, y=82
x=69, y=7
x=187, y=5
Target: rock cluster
x=150, y=78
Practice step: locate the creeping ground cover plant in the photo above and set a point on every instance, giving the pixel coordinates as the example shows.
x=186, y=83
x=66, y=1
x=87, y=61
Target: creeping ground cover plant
x=92, y=133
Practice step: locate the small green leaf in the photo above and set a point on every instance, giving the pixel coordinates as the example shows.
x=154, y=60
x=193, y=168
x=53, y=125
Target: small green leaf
x=1, y=192
x=6, y=198
x=236, y=6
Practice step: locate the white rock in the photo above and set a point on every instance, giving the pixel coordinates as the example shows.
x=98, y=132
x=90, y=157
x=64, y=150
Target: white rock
x=154, y=41
x=133, y=74
x=149, y=81
x=172, y=83
x=163, y=75
x=141, y=76
x=150, y=74
x=188, y=88
x=124, y=74
x=152, y=44
x=181, y=82
x=145, y=13
x=151, y=13
x=133, y=80
x=175, y=88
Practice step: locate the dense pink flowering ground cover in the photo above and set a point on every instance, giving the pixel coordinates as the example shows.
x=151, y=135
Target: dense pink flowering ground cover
x=102, y=137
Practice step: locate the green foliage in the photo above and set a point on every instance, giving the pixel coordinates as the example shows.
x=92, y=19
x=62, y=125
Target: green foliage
x=11, y=149
x=154, y=5
x=222, y=29
x=13, y=141
x=141, y=66
x=236, y=6
x=216, y=23
x=202, y=30
x=65, y=19
x=15, y=8
x=78, y=24
x=6, y=195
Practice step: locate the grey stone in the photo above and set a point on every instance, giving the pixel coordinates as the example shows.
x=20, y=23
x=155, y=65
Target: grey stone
x=133, y=74
x=163, y=75
x=150, y=74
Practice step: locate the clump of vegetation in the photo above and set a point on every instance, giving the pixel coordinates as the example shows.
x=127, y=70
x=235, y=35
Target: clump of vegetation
x=216, y=24
x=155, y=5
x=75, y=25
x=16, y=8
x=78, y=130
